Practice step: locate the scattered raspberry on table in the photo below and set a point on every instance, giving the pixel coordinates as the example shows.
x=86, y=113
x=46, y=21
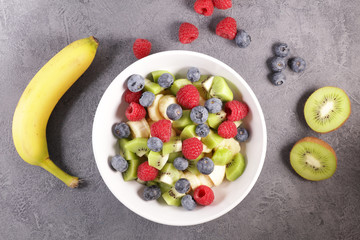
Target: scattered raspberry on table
x=141, y=48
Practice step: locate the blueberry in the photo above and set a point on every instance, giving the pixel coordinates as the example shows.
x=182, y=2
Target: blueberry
x=182, y=185
x=281, y=49
x=188, y=202
x=146, y=99
x=205, y=165
x=297, y=64
x=165, y=80
x=180, y=163
x=277, y=64
x=121, y=130
x=135, y=83
x=119, y=163
x=155, y=144
x=193, y=74
x=277, y=78
x=242, y=134
x=199, y=114
x=174, y=111
x=151, y=193
x=213, y=105
x=202, y=130
x=242, y=39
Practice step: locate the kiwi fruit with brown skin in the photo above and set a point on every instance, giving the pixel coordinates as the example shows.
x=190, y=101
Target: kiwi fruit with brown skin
x=327, y=109
x=313, y=159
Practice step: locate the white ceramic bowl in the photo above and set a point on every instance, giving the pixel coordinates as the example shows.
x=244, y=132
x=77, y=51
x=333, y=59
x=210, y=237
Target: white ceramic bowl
x=112, y=107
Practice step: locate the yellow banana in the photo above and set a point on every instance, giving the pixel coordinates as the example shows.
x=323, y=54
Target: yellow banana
x=39, y=99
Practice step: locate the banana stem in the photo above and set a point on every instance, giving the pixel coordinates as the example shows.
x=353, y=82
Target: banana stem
x=69, y=180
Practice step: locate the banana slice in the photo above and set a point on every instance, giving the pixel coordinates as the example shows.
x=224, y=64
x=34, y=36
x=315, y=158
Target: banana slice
x=238, y=123
x=217, y=176
x=205, y=180
x=206, y=149
x=231, y=144
x=193, y=179
x=139, y=129
x=202, y=101
x=164, y=102
x=153, y=110
x=173, y=133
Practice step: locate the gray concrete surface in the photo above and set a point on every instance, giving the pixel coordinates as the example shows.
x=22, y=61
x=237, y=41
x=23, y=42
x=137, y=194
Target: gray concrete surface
x=35, y=205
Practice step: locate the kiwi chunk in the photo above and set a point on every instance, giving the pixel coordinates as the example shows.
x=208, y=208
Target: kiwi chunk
x=212, y=140
x=327, y=109
x=193, y=165
x=125, y=153
x=169, y=174
x=164, y=187
x=138, y=146
x=235, y=168
x=157, y=160
x=174, y=145
x=131, y=172
x=220, y=89
x=156, y=74
x=215, y=119
x=313, y=159
x=188, y=132
x=179, y=83
x=171, y=198
x=152, y=87
x=222, y=156
x=183, y=121
x=174, y=155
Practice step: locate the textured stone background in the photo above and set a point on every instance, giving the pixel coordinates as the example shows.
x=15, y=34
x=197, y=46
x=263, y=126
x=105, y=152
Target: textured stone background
x=34, y=205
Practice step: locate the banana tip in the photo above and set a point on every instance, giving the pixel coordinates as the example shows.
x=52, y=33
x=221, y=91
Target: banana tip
x=95, y=39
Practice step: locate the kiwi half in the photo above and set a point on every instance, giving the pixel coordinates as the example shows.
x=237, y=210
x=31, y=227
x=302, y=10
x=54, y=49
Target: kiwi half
x=313, y=159
x=327, y=109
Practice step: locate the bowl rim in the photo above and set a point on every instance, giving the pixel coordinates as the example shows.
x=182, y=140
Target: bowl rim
x=262, y=120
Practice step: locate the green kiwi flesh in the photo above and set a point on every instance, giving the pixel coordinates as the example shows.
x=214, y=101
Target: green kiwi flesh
x=235, y=168
x=157, y=160
x=214, y=119
x=327, y=109
x=188, y=132
x=220, y=89
x=179, y=83
x=125, y=153
x=152, y=87
x=222, y=156
x=183, y=121
x=174, y=155
x=313, y=159
x=156, y=74
x=138, y=146
x=212, y=140
x=131, y=172
x=174, y=145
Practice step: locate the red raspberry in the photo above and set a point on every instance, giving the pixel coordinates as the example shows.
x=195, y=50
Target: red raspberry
x=226, y=28
x=204, y=7
x=135, y=112
x=188, y=96
x=141, y=48
x=203, y=195
x=161, y=129
x=227, y=129
x=188, y=33
x=236, y=110
x=192, y=148
x=145, y=172
x=132, y=96
x=222, y=4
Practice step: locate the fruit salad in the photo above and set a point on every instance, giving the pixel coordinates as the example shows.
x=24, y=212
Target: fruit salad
x=182, y=137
